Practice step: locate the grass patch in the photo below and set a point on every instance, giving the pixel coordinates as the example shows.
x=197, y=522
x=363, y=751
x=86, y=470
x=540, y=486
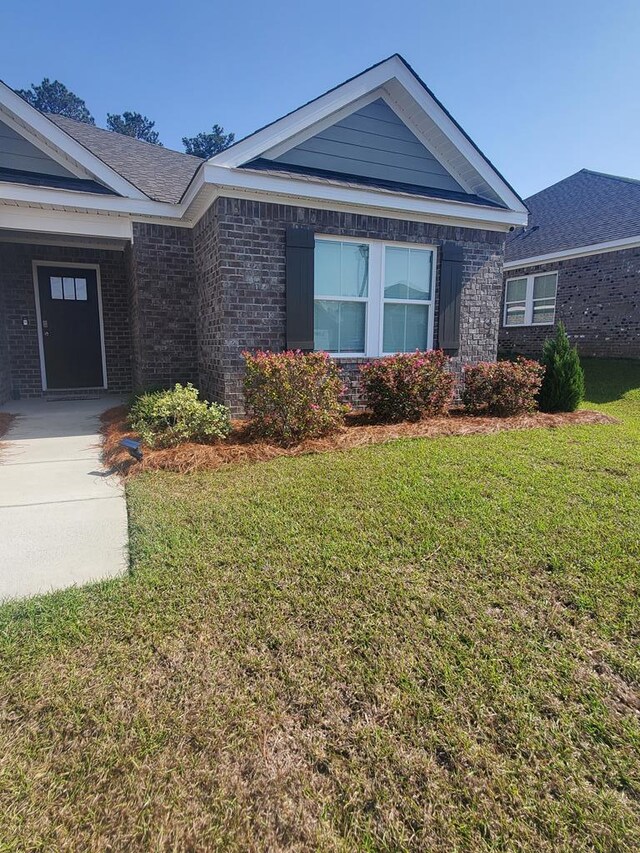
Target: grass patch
x=423, y=645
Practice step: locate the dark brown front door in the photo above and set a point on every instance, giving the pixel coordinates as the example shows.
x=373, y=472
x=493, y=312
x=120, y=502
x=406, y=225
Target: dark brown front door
x=70, y=319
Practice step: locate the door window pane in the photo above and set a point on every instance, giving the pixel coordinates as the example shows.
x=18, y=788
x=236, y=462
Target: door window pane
x=407, y=273
x=56, y=287
x=68, y=286
x=341, y=269
x=81, y=289
x=339, y=326
x=406, y=327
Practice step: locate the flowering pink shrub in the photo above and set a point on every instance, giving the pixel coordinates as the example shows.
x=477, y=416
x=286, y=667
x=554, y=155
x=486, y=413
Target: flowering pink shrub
x=293, y=395
x=408, y=386
x=502, y=388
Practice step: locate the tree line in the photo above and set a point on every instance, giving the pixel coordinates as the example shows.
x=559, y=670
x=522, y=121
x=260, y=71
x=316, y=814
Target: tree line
x=54, y=97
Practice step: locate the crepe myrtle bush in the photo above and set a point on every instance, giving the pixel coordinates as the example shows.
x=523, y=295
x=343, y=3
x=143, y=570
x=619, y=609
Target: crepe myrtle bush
x=293, y=395
x=408, y=386
x=502, y=388
x=177, y=415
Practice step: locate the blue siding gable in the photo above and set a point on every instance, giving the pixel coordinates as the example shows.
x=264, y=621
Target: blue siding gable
x=372, y=143
x=18, y=153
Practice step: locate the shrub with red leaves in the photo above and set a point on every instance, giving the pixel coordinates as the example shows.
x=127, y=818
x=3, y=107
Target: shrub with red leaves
x=408, y=386
x=502, y=388
x=293, y=395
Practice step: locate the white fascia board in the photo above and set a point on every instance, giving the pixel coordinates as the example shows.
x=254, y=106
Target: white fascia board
x=577, y=252
x=64, y=222
x=244, y=180
x=90, y=201
x=58, y=138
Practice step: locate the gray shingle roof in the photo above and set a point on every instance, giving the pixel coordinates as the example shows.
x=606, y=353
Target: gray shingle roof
x=583, y=209
x=160, y=173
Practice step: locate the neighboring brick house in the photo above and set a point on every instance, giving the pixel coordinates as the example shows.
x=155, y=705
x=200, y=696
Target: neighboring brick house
x=365, y=222
x=577, y=261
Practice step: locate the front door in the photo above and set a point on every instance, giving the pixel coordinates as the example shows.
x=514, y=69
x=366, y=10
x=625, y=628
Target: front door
x=70, y=320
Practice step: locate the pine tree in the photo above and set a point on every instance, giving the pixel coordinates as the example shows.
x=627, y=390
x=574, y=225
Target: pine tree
x=563, y=384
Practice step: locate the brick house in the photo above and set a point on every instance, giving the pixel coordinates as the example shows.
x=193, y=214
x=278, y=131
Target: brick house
x=362, y=223
x=578, y=261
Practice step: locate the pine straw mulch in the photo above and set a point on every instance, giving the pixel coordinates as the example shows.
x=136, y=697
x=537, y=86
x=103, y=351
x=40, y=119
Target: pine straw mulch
x=358, y=432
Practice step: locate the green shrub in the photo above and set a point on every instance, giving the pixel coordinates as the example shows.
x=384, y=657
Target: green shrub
x=293, y=395
x=408, y=386
x=502, y=388
x=171, y=417
x=563, y=384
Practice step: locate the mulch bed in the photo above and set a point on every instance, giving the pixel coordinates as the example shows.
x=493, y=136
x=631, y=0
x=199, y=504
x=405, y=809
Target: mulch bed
x=358, y=432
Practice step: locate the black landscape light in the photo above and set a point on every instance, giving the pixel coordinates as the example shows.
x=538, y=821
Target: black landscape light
x=133, y=447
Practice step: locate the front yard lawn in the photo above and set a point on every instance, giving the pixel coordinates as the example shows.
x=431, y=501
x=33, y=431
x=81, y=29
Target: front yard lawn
x=430, y=644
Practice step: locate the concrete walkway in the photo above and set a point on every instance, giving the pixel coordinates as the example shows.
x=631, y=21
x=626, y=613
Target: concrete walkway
x=63, y=518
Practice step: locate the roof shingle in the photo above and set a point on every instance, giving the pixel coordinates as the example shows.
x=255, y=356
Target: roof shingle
x=160, y=173
x=584, y=209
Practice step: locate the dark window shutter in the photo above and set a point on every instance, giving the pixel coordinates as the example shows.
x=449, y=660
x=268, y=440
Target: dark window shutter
x=299, y=258
x=450, y=296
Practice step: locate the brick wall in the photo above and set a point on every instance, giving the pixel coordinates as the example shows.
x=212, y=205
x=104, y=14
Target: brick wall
x=17, y=291
x=162, y=302
x=240, y=277
x=598, y=300
x=5, y=372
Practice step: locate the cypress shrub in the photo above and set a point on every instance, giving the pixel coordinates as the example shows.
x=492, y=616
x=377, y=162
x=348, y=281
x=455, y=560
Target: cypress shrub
x=562, y=387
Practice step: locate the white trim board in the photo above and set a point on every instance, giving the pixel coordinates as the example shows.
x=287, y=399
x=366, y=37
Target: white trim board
x=380, y=200
x=64, y=222
x=71, y=265
x=578, y=252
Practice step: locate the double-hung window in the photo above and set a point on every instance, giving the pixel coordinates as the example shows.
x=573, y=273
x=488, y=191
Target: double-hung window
x=531, y=300
x=372, y=298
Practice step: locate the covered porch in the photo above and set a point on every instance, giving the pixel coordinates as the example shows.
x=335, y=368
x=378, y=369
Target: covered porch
x=65, y=306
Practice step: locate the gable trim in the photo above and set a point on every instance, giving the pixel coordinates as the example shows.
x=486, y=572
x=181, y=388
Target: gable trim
x=56, y=143
x=278, y=135
x=577, y=252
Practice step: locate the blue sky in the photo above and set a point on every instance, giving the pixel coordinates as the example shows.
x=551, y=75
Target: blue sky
x=544, y=88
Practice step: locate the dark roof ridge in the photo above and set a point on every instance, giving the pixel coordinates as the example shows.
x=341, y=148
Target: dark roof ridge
x=611, y=177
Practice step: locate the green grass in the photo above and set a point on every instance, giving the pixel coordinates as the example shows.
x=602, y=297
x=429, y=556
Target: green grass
x=424, y=645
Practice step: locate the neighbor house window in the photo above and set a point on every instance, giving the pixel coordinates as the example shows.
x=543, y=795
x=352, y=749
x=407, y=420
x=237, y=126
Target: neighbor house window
x=372, y=298
x=531, y=300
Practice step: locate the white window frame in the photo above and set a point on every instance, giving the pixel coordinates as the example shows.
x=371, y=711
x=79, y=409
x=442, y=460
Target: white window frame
x=528, y=301
x=375, y=301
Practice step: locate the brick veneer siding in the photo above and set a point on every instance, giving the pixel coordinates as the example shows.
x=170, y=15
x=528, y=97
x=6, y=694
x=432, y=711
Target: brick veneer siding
x=160, y=269
x=17, y=292
x=240, y=276
x=5, y=371
x=598, y=300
